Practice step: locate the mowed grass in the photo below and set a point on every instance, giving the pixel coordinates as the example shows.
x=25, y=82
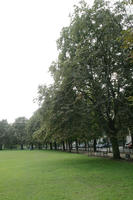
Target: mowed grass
x=45, y=175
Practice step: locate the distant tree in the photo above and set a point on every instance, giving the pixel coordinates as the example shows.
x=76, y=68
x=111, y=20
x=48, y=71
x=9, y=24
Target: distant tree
x=3, y=132
x=20, y=130
x=32, y=126
x=45, y=100
x=10, y=140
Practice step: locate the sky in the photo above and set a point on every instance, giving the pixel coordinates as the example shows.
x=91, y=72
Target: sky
x=28, y=33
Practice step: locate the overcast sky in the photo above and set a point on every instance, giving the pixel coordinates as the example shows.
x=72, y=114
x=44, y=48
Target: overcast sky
x=28, y=33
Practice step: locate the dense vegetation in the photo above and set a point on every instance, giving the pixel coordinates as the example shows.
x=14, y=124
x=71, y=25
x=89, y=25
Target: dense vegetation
x=93, y=80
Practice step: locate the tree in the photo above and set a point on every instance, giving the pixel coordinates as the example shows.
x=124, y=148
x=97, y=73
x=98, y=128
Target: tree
x=128, y=42
x=32, y=126
x=89, y=51
x=91, y=79
x=65, y=114
x=20, y=130
x=3, y=132
x=10, y=139
x=127, y=34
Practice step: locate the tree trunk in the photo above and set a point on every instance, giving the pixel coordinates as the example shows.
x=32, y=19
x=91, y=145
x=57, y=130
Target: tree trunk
x=88, y=146
x=0, y=146
x=132, y=138
x=85, y=146
x=123, y=143
x=63, y=145
x=31, y=147
x=55, y=146
x=39, y=146
x=114, y=140
x=69, y=146
x=51, y=147
x=94, y=145
x=46, y=146
x=115, y=147
x=21, y=147
x=77, y=149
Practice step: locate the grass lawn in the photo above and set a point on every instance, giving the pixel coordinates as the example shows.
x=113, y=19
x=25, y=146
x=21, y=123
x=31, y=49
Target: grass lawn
x=45, y=175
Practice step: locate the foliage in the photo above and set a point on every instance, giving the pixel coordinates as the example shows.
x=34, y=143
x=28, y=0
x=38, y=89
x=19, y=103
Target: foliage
x=20, y=130
x=32, y=126
x=91, y=78
x=92, y=61
x=3, y=132
x=128, y=42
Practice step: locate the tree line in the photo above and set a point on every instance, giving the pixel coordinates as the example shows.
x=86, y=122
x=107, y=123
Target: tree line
x=91, y=96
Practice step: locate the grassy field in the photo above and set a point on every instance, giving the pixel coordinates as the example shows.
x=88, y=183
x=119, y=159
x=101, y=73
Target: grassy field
x=45, y=175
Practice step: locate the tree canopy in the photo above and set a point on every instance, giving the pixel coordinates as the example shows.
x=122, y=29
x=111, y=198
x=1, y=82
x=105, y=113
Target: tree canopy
x=91, y=76
x=93, y=81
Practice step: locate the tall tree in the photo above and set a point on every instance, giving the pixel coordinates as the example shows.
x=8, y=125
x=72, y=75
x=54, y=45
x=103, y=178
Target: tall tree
x=20, y=130
x=3, y=132
x=91, y=53
x=32, y=126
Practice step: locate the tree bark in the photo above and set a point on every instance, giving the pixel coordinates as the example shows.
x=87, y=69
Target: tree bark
x=21, y=146
x=69, y=146
x=132, y=138
x=51, y=146
x=114, y=139
x=39, y=146
x=77, y=149
x=1, y=146
x=55, y=146
x=85, y=146
x=88, y=147
x=123, y=143
x=94, y=145
x=115, y=147
x=63, y=145
x=31, y=147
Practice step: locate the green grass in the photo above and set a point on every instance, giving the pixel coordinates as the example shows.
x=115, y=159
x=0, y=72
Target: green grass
x=45, y=175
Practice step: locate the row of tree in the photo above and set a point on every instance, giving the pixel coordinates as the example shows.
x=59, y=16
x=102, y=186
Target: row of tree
x=93, y=78
x=93, y=81
x=19, y=134
x=13, y=134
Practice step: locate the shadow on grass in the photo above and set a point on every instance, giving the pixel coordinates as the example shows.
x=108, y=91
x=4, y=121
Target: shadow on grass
x=86, y=164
